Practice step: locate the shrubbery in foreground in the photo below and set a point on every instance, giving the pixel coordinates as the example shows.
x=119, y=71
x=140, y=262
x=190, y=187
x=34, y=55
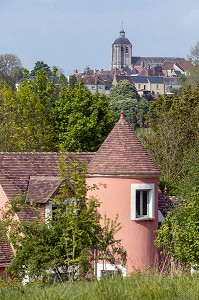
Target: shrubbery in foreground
x=135, y=287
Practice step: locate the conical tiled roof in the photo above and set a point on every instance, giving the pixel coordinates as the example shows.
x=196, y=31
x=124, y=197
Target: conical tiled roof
x=122, y=154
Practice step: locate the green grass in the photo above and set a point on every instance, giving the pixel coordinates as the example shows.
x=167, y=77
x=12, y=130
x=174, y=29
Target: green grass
x=136, y=287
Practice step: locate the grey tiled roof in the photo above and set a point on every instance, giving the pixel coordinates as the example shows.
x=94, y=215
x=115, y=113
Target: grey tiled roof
x=140, y=79
x=121, y=41
x=138, y=60
x=171, y=81
x=155, y=79
x=146, y=79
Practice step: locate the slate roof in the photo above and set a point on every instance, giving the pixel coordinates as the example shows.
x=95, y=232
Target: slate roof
x=140, y=79
x=155, y=79
x=138, y=60
x=146, y=79
x=171, y=81
x=122, y=154
x=122, y=40
x=17, y=170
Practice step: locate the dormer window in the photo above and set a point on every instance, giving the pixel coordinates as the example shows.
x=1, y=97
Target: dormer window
x=53, y=208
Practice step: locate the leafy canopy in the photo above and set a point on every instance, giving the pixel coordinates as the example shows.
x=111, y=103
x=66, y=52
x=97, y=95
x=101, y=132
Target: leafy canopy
x=179, y=232
x=172, y=136
x=82, y=120
x=124, y=97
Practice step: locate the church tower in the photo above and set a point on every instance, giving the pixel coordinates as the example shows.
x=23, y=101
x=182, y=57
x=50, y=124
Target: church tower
x=121, y=52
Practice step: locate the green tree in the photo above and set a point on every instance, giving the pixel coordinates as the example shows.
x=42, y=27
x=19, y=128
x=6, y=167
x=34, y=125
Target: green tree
x=34, y=101
x=192, y=79
x=25, y=115
x=179, y=232
x=82, y=120
x=9, y=129
x=72, y=81
x=69, y=237
x=172, y=135
x=40, y=65
x=125, y=97
x=88, y=71
x=192, y=76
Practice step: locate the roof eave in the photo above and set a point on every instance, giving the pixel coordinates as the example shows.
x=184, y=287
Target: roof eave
x=129, y=175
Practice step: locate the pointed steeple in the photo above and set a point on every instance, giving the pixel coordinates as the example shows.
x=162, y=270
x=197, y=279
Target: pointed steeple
x=122, y=32
x=122, y=154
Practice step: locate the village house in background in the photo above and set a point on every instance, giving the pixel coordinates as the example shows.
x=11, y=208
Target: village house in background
x=148, y=74
x=131, y=179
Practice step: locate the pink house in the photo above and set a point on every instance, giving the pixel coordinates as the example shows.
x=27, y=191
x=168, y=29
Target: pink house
x=131, y=179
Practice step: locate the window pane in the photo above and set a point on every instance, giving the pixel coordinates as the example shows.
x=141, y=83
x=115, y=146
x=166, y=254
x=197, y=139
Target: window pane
x=137, y=203
x=145, y=201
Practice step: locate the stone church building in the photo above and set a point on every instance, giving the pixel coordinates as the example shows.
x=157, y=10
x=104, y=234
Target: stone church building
x=123, y=59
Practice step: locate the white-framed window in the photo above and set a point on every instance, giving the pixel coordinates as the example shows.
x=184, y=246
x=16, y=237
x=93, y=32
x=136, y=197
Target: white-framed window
x=51, y=208
x=110, y=270
x=142, y=201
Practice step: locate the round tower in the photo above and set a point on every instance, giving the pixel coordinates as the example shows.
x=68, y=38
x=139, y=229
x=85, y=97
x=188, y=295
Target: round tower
x=121, y=52
x=130, y=178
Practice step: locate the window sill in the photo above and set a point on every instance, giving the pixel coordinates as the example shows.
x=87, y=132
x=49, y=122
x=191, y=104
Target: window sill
x=143, y=219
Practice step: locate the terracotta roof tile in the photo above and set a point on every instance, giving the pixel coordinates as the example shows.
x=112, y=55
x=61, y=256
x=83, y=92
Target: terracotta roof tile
x=185, y=64
x=17, y=168
x=42, y=188
x=27, y=214
x=164, y=203
x=6, y=254
x=168, y=65
x=122, y=154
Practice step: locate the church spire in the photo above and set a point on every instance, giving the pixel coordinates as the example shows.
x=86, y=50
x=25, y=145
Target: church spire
x=122, y=32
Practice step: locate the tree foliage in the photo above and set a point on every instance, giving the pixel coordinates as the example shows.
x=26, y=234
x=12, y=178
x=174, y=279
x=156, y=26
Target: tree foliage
x=66, y=243
x=194, y=53
x=125, y=97
x=172, y=136
x=179, y=232
x=25, y=115
x=10, y=69
x=9, y=129
x=47, y=115
x=192, y=78
x=41, y=65
x=82, y=120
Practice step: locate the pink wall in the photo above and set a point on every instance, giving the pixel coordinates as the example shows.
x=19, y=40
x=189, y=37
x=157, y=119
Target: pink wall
x=137, y=236
x=3, y=199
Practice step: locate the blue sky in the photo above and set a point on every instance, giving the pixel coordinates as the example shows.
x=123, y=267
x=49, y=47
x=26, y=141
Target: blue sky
x=73, y=34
